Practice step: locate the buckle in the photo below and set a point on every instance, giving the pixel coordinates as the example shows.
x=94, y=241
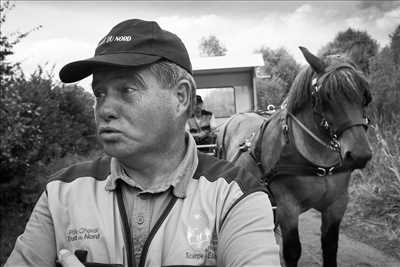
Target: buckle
x=285, y=128
x=321, y=171
x=245, y=145
x=324, y=172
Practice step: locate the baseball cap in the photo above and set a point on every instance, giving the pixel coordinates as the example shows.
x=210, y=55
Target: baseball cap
x=132, y=42
x=199, y=100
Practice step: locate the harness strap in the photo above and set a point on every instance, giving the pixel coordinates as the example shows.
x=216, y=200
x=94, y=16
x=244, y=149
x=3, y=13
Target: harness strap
x=221, y=147
x=284, y=124
x=257, y=148
x=310, y=133
x=303, y=170
x=343, y=127
x=296, y=169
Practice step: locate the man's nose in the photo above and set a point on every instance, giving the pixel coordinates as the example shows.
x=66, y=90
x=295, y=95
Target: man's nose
x=107, y=109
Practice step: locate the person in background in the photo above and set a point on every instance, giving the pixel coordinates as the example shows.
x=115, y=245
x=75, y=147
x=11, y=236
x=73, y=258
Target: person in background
x=152, y=200
x=201, y=124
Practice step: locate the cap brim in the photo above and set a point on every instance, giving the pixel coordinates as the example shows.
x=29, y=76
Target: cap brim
x=81, y=69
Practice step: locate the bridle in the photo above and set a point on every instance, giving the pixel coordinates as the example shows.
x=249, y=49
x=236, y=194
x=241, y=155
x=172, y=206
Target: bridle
x=311, y=169
x=334, y=134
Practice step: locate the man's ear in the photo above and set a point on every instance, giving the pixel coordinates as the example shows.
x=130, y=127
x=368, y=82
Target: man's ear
x=183, y=94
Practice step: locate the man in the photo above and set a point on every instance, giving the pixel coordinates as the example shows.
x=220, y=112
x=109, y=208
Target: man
x=201, y=124
x=153, y=200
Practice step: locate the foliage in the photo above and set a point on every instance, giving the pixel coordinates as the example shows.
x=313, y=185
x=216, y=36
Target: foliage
x=359, y=45
x=395, y=45
x=9, y=70
x=275, y=77
x=280, y=64
x=270, y=92
x=42, y=121
x=374, y=207
x=385, y=84
x=6, y=45
x=211, y=47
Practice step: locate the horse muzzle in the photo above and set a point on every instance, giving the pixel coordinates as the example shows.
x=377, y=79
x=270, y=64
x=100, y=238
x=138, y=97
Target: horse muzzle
x=355, y=148
x=357, y=160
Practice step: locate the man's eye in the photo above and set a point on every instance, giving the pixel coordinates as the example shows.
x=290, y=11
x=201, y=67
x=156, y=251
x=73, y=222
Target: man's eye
x=129, y=90
x=99, y=94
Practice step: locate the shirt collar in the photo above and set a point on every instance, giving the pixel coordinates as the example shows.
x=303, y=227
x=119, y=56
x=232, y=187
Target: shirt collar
x=178, y=180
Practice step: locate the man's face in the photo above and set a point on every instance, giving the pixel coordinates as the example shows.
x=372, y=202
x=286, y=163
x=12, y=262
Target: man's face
x=198, y=108
x=134, y=114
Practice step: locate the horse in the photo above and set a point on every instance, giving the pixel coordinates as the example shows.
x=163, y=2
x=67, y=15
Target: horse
x=306, y=150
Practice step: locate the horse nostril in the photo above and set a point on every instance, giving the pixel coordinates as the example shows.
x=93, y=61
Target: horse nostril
x=348, y=156
x=357, y=160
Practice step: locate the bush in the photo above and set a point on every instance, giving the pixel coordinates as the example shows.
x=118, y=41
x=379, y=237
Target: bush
x=42, y=121
x=374, y=207
x=385, y=85
x=270, y=91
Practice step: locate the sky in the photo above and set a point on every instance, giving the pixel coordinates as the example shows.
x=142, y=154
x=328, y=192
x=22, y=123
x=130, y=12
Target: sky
x=71, y=29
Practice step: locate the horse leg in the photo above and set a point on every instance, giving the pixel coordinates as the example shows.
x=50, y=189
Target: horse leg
x=331, y=218
x=288, y=220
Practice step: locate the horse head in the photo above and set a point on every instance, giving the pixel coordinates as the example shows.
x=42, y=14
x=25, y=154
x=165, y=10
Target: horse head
x=332, y=95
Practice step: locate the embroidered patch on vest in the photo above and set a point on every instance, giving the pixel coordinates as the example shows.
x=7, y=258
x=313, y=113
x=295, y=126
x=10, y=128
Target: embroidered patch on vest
x=200, y=239
x=198, y=232
x=82, y=233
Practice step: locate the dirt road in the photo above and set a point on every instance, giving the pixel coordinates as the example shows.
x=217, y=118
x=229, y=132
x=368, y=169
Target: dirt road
x=351, y=252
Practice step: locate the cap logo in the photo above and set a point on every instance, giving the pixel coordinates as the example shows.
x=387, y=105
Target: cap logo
x=111, y=38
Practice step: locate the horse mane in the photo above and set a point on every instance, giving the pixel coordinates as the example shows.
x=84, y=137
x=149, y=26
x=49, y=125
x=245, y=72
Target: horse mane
x=342, y=80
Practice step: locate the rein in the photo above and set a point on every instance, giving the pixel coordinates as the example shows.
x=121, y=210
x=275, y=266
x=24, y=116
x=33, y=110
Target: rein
x=333, y=145
x=308, y=169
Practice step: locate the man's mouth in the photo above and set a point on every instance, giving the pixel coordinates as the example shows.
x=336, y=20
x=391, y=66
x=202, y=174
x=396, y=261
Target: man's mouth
x=108, y=130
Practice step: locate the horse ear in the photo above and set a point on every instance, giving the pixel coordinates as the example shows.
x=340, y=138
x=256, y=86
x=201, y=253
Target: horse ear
x=316, y=63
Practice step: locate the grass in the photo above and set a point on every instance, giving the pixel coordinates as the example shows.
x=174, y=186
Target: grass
x=373, y=213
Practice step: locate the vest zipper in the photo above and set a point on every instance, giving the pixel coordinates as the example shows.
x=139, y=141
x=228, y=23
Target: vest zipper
x=154, y=230
x=125, y=226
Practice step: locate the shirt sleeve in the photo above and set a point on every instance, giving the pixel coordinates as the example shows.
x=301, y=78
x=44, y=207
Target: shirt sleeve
x=213, y=123
x=247, y=235
x=36, y=246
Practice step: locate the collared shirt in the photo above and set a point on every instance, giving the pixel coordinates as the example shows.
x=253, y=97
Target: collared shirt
x=220, y=199
x=143, y=206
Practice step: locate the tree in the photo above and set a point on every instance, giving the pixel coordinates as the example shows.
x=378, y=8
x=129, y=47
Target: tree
x=7, y=69
x=385, y=85
x=269, y=91
x=395, y=44
x=16, y=132
x=281, y=68
x=211, y=47
x=279, y=63
x=358, y=45
x=42, y=121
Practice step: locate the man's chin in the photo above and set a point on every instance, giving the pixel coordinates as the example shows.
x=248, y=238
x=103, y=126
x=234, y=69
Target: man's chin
x=118, y=150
